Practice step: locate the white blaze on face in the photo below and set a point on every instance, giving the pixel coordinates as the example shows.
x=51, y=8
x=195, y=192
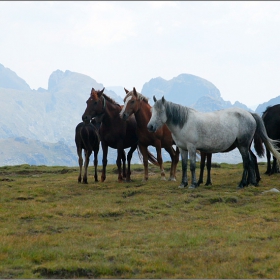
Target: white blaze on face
x=124, y=106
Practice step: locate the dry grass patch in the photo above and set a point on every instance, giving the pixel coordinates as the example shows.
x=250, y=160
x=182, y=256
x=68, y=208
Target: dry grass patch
x=53, y=227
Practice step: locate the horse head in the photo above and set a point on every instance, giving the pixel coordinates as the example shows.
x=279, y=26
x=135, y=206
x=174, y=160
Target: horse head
x=158, y=117
x=95, y=105
x=131, y=104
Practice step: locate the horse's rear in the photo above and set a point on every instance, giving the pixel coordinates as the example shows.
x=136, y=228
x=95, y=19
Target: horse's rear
x=271, y=119
x=87, y=139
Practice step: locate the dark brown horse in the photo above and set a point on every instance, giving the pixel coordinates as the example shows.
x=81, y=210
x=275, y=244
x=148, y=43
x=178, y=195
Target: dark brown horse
x=137, y=104
x=87, y=139
x=114, y=131
x=271, y=119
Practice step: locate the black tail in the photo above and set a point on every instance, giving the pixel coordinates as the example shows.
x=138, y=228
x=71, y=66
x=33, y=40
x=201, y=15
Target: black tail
x=151, y=158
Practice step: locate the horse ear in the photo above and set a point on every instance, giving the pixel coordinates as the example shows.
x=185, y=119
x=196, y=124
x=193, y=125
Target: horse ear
x=163, y=100
x=135, y=92
x=92, y=90
x=155, y=100
x=99, y=93
x=126, y=91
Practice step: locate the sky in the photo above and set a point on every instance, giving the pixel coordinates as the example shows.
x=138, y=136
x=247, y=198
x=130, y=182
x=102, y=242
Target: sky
x=233, y=44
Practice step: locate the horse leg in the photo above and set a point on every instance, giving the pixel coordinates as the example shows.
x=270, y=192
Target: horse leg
x=209, y=164
x=124, y=163
x=252, y=170
x=192, y=168
x=104, y=161
x=87, y=155
x=95, y=164
x=202, y=165
x=160, y=162
x=172, y=154
x=268, y=165
x=246, y=162
x=79, y=152
x=119, y=162
x=274, y=166
x=184, y=156
x=129, y=157
x=257, y=172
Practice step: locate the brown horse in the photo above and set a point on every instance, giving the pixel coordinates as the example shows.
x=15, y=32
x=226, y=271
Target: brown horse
x=87, y=139
x=114, y=131
x=137, y=104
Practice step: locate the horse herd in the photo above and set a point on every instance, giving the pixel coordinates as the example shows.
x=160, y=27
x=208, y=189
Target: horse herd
x=179, y=130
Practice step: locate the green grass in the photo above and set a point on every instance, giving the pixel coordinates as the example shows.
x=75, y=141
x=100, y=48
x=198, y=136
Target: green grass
x=53, y=227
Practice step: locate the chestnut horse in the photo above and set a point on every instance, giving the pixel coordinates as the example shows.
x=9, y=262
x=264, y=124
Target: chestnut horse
x=87, y=139
x=114, y=131
x=137, y=104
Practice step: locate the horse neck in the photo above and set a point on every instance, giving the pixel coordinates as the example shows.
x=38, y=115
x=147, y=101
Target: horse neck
x=143, y=114
x=112, y=112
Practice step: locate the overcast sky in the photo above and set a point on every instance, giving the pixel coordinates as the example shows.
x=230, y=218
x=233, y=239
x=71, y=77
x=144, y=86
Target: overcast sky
x=233, y=44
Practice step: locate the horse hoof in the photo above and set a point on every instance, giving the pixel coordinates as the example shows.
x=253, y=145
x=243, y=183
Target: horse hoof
x=172, y=179
x=163, y=179
x=181, y=187
x=192, y=187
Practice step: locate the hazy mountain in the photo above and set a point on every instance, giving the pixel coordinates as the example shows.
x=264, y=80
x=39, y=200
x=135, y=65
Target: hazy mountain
x=262, y=107
x=189, y=90
x=9, y=79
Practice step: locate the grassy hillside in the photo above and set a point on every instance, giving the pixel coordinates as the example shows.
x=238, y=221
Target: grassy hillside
x=53, y=227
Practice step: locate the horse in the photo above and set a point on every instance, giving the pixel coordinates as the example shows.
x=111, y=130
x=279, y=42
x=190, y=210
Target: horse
x=271, y=119
x=114, y=131
x=137, y=104
x=87, y=139
x=211, y=132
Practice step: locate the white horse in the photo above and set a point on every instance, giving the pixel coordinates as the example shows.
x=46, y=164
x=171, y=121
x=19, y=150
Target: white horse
x=212, y=132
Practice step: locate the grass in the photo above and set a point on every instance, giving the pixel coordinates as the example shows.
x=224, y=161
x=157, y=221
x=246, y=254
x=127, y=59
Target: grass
x=53, y=227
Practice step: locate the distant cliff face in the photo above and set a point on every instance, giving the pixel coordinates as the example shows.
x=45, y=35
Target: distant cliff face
x=185, y=87
x=188, y=90
x=9, y=79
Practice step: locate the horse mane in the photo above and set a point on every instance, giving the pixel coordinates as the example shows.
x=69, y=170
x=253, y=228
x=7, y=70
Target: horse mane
x=140, y=96
x=107, y=98
x=176, y=113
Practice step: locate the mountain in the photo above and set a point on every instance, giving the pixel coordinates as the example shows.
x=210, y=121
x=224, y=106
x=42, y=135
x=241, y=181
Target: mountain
x=262, y=107
x=9, y=79
x=188, y=90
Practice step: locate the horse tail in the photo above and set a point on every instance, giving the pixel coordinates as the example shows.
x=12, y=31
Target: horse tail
x=151, y=158
x=261, y=135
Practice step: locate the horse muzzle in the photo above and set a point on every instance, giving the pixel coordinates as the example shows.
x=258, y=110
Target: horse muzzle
x=124, y=116
x=86, y=118
x=151, y=128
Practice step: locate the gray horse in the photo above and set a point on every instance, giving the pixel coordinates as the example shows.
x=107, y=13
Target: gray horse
x=212, y=132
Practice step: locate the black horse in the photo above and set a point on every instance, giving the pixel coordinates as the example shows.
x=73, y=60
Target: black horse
x=87, y=139
x=271, y=119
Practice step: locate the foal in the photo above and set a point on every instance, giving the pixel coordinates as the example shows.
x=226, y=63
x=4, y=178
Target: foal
x=87, y=139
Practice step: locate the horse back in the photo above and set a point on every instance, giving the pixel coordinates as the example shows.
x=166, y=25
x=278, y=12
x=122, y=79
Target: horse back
x=87, y=136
